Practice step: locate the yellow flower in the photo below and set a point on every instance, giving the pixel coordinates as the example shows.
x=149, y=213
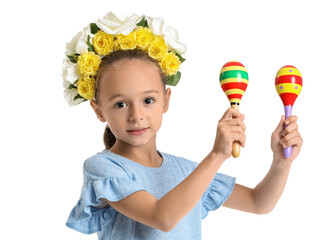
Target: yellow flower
x=143, y=37
x=88, y=63
x=157, y=48
x=125, y=42
x=103, y=43
x=170, y=63
x=86, y=87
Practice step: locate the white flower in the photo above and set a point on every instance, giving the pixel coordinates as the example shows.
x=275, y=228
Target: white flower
x=156, y=25
x=70, y=74
x=113, y=24
x=69, y=95
x=70, y=71
x=79, y=43
x=171, y=39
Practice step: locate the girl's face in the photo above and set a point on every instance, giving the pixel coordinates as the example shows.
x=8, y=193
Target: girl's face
x=132, y=101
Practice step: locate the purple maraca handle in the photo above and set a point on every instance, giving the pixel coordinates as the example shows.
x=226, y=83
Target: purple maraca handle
x=287, y=151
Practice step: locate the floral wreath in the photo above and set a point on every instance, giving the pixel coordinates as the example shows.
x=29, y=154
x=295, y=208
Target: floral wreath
x=86, y=50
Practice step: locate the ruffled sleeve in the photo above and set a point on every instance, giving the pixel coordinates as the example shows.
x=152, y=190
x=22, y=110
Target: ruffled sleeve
x=102, y=179
x=217, y=193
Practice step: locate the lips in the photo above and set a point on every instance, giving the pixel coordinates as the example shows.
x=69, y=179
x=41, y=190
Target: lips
x=137, y=131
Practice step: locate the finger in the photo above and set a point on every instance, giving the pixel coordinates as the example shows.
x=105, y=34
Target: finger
x=240, y=137
x=237, y=134
x=234, y=129
x=291, y=119
x=236, y=122
x=290, y=128
x=231, y=113
x=296, y=142
x=289, y=137
x=242, y=117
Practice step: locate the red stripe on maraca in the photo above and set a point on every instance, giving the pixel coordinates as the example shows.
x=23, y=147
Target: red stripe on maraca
x=231, y=96
x=289, y=79
x=233, y=85
x=228, y=64
x=288, y=66
x=288, y=98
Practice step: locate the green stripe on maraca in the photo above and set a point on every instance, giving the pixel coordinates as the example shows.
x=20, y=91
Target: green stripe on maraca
x=234, y=74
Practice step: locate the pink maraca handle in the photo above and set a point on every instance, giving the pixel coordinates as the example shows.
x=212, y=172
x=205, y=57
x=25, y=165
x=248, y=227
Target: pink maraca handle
x=287, y=151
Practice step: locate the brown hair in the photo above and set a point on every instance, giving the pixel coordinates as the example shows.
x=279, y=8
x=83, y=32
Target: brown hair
x=109, y=138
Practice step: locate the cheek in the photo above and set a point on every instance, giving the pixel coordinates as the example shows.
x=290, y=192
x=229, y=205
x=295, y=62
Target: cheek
x=115, y=121
x=157, y=116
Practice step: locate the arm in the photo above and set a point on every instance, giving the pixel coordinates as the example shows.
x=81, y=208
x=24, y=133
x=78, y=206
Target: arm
x=168, y=211
x=263, y=198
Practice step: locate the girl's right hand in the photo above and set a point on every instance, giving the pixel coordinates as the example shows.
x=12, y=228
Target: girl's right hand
x=229, y=129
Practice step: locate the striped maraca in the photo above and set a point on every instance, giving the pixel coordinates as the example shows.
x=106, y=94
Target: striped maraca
x=234, y=80
x=288, y=84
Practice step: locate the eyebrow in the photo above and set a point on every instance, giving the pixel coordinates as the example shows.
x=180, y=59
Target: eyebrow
x=123, y=95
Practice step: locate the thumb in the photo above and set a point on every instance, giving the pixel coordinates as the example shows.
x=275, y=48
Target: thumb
x=280, y=127
x=231, y=113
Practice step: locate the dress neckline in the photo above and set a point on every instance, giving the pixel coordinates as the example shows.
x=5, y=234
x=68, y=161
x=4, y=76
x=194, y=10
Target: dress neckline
x=151, y=169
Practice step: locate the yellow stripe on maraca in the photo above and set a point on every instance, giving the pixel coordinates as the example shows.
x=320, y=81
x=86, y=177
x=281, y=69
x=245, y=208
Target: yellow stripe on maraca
x=288, y=88
x=234, y=91
x=229, y=80
x=233, y=68
x=286, y=71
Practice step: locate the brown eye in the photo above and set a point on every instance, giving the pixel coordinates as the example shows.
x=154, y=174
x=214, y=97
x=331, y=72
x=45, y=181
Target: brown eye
x=120, y=105
x=149, y=101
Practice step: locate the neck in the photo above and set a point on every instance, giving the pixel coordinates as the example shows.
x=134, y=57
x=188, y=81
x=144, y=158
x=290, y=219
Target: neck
x=146, y=155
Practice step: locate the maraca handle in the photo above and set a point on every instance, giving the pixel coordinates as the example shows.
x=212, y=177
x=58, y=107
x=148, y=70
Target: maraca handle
x=235, y=149
x=287, y=151
x=236, y=145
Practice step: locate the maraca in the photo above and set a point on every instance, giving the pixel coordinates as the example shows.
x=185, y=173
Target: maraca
x=234, y=80
x=288, y=84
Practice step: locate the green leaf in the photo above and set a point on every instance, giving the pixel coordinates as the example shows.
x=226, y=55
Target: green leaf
x=94, y=28
x=73, y=59
x=77, y=96
x=143, y=22
x=71, y=86
x=90, y=47
x=181, y=59
x=174, y=79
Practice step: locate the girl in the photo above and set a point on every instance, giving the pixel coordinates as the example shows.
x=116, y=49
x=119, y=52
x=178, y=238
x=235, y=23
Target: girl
x=133, y=191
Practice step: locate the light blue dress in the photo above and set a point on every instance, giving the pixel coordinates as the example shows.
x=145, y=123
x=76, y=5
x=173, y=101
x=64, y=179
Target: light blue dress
x=113, y=177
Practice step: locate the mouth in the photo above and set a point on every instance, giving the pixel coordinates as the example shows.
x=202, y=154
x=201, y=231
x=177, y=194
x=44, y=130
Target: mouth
x=137, y=131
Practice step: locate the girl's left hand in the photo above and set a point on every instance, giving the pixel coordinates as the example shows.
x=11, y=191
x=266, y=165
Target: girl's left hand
x=285, y=137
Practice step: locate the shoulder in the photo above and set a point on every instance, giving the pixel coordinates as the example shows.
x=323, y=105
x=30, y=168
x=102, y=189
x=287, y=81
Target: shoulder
x=181, y=161
x=103, y=165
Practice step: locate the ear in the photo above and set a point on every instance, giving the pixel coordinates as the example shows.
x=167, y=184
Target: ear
x=167, y=95
x=97, y=110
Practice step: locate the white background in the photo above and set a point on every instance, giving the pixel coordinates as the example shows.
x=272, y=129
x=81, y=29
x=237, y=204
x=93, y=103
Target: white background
x=44, y=142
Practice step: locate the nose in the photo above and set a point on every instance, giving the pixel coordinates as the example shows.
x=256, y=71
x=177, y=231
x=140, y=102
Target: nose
x=136, y=113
